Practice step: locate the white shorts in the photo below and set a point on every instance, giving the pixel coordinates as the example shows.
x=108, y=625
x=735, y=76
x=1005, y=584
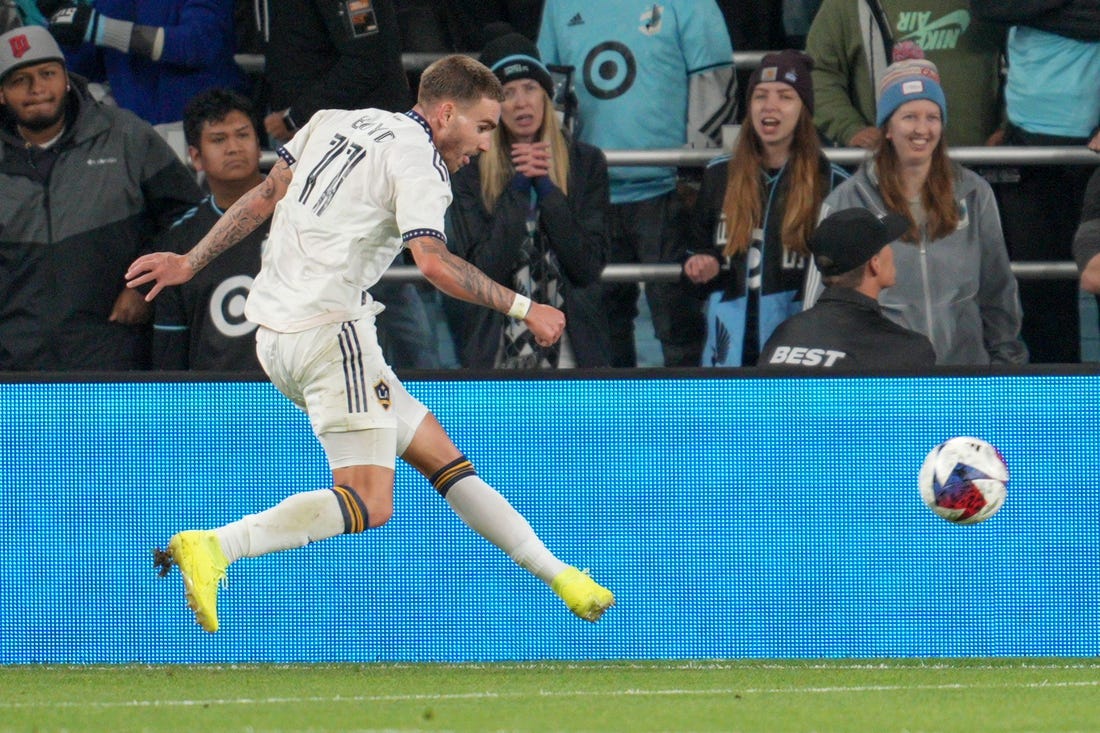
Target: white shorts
x=337, y=374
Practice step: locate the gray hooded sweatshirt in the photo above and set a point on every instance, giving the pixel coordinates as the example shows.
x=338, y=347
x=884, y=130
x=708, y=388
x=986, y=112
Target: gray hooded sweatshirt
x=959, y=291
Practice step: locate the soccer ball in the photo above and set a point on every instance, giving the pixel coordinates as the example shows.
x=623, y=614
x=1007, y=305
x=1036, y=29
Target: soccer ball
x=963, y=480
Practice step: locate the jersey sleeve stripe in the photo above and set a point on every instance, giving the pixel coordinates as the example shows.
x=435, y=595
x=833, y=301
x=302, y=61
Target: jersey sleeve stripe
x=414, y=233
x=285, y=155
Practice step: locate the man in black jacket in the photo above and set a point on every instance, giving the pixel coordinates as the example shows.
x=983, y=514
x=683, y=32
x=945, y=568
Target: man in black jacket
x=332, y=55
x=85, y=189
x=846, y=329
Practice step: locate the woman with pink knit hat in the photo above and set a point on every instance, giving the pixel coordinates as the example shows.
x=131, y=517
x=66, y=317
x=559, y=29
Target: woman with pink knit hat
x=954, y=283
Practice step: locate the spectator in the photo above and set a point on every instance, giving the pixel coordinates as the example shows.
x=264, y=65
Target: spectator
x=954, y=281
x=532, y=215
x=1086, y=242
x=660, y=80
x=851, y=41
x=201, y=325
x=757, y=210
x=86, y=186
x=846, y=329
x=155, y=55
x=325, y=55
x=1053, y=56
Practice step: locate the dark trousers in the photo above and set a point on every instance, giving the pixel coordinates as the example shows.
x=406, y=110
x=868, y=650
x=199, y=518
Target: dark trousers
x=651, y=232
x=1040, y=214
x=404, y=331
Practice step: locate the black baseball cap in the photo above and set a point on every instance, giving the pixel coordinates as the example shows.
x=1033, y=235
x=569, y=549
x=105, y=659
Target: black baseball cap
x=848, y=238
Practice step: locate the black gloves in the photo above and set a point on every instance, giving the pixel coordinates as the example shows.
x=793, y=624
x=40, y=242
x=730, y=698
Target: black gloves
x=70, y=23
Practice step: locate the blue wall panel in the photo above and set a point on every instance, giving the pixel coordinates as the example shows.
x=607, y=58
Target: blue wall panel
x=733, y=518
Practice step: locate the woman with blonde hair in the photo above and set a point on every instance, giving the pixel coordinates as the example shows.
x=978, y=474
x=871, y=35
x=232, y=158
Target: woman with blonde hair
x=954, y=280
x=531, y=214
x=755, y=212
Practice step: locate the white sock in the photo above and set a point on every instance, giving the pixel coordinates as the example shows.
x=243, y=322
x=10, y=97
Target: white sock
x=294, y=522
x=490, y=515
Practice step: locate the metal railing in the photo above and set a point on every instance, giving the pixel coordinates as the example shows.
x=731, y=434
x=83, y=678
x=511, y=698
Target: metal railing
x=852, y=157
x=689, y=158
x=633, y=273
x=699, y=157
x=253, y=63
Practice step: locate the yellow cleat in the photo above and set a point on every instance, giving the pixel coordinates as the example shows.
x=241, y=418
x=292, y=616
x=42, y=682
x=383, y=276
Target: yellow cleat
x=584, y=596
x=198, y=553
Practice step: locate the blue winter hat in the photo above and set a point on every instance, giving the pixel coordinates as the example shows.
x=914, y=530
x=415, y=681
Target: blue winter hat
x=906, y=81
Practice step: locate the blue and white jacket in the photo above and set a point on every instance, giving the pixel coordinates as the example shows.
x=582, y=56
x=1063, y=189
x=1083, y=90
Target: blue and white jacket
x=766, y=268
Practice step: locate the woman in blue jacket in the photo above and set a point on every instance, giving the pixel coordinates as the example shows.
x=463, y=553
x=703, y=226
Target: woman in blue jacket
x=756, y=211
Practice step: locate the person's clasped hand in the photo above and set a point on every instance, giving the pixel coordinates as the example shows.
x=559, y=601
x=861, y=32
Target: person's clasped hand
x=866, y=138
x=532, y=160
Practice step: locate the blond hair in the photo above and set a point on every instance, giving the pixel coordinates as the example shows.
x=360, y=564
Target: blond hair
x=495, y=165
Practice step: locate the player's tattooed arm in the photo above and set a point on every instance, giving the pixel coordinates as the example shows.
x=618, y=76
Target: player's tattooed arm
x=162, y=269
x=457, y=277
x=242, y=218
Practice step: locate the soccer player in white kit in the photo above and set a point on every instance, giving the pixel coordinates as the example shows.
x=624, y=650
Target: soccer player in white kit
x=348, y=193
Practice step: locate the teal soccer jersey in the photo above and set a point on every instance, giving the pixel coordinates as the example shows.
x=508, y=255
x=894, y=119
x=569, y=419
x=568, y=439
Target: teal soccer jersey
x=632, y=62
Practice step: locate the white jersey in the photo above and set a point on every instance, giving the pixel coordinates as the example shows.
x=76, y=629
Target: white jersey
x=365, y=183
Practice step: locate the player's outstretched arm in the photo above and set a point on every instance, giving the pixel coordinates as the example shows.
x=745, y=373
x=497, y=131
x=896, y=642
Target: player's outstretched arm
x=457, y=278
x=241, y=219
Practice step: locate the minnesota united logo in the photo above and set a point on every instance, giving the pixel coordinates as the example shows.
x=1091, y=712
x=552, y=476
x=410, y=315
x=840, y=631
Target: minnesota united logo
x=651, y=20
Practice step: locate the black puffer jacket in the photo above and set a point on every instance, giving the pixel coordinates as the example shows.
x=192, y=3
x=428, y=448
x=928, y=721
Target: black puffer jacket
x=319, y=57
x=573, y=227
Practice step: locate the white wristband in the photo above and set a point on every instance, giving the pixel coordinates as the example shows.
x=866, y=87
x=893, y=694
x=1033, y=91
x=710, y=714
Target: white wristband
x=520, y=307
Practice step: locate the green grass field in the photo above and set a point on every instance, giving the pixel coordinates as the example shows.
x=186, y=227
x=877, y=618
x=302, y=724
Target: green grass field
x=872, y=695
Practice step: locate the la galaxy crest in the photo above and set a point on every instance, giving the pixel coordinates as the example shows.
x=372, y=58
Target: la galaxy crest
x=382, y=394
